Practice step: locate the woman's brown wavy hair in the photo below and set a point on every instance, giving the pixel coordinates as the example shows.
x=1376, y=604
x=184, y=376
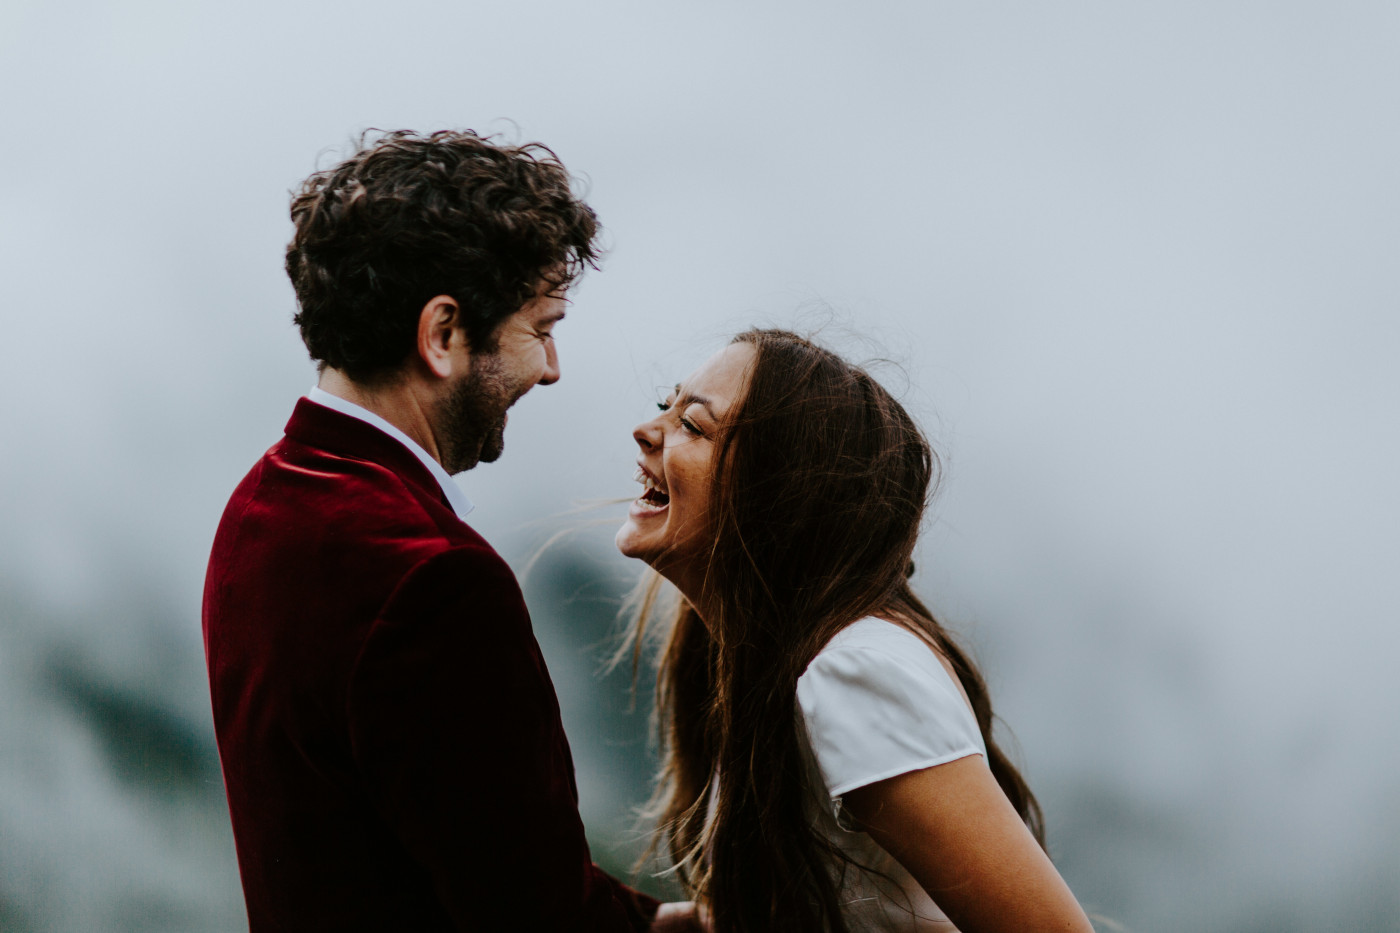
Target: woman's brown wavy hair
x=821, y=481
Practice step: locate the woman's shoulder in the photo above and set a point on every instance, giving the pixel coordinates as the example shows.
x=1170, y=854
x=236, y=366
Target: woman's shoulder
x=874, y=644
x=877, y=701
x=872, y=650
x=873, y=635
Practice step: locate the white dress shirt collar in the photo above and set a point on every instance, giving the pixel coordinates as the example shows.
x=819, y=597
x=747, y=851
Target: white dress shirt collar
x=455, y=497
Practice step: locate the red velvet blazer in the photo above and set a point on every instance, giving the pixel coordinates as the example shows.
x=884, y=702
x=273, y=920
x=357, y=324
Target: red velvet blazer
x=390, y=738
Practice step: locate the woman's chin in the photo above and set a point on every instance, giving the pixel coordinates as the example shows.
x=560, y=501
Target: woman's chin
x=627, y=541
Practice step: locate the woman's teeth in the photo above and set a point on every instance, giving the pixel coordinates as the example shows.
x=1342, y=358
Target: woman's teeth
x=653, y=493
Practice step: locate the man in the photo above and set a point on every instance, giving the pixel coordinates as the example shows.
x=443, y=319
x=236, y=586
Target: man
x=391, y=742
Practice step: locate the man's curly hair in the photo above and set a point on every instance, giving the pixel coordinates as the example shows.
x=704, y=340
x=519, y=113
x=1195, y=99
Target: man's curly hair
x=412, y=216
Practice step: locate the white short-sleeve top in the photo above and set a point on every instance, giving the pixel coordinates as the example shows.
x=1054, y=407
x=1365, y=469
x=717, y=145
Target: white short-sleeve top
x=876, y=702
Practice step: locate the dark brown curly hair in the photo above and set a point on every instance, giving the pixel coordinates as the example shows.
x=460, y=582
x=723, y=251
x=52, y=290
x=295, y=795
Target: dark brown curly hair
x=412, y=216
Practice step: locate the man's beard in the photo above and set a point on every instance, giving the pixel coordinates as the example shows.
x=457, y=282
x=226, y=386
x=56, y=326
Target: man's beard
x=474, y=416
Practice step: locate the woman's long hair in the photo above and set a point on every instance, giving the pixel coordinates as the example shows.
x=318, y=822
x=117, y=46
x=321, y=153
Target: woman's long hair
x=821, y=480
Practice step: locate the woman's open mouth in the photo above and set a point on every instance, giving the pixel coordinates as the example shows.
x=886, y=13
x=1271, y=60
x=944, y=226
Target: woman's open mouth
x=653, y=497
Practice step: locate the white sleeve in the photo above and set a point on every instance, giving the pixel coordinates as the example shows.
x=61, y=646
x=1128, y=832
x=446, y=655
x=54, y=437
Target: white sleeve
x=875, y=711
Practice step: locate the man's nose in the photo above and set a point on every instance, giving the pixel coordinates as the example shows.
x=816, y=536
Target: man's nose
x=551, y=364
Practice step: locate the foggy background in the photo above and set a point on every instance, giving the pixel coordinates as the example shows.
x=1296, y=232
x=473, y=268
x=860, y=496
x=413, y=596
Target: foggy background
x=1135, y=265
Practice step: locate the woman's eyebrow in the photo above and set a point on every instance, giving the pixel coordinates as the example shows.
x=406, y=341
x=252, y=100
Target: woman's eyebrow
x=690, y=398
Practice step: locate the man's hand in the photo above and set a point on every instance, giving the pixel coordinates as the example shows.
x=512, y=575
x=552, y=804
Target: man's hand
x=681, y=917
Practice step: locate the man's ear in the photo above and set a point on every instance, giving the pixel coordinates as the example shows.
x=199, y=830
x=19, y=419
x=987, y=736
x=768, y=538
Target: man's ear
x=441, y=337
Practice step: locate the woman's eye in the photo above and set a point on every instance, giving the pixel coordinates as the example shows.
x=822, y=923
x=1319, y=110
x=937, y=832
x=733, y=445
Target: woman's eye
x=686, y=424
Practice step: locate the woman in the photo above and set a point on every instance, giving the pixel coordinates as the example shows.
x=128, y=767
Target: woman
x=828, y=761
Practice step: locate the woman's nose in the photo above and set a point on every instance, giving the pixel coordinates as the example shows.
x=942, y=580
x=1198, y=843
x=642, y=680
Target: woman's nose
x=647, y=435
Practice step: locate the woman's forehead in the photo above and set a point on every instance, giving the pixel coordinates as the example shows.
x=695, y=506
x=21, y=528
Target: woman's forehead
x=720, y=380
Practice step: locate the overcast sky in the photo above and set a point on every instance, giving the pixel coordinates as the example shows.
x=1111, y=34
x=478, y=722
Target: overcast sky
x=1136, y=265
